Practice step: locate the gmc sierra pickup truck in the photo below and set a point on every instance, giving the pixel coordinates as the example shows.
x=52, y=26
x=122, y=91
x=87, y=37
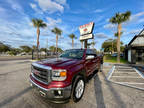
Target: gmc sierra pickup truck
x=62, y=78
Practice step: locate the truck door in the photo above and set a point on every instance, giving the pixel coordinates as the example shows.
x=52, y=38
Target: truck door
x=96, y=62
x=89, y=64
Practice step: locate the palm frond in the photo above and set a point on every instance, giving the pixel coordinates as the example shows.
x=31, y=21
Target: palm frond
x=120, y=17
x=57, y=31
x=38, y=23
x=72, y=36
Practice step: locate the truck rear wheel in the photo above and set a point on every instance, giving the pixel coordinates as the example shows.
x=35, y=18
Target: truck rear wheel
x=78, y=89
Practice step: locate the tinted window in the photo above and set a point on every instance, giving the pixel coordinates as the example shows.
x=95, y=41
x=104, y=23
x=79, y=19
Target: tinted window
x=91, y=52
x=73, y=54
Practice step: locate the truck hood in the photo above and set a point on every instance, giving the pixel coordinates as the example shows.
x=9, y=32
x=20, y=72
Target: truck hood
x=59, y=62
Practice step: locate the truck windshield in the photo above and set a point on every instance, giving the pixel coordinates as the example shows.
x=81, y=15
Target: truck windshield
x=73, y=54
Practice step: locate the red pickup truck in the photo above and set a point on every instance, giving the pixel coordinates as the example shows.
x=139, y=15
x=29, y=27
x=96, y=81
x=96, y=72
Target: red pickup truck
x=62, y=78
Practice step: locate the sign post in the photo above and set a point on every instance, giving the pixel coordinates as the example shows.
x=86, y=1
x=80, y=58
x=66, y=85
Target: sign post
x=86, y=32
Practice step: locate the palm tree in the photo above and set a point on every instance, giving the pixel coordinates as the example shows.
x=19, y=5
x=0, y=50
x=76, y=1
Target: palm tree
x=58, y=32
x=119, y=18
x=81, y=43
x=116, y=34
x=38, y=23
x=88, y=45
x=93, y=44
x=72, y=36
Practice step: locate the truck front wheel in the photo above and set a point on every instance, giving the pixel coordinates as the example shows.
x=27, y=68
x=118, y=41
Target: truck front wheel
x=78, y=89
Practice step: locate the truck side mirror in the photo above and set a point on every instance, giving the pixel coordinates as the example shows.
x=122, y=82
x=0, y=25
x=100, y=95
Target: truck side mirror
x=90, y=57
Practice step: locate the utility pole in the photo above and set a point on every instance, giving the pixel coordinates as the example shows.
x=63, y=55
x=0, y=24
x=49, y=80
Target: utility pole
x=47, y=44
x=46, y=48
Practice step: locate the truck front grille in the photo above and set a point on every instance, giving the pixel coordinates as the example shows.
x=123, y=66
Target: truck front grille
x=43, y=75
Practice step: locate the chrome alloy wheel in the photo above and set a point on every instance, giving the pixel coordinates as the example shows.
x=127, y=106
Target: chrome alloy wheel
x=79, y=89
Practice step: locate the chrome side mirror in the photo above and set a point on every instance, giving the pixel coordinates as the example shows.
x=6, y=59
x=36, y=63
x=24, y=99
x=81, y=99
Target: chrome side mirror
x=90, y=57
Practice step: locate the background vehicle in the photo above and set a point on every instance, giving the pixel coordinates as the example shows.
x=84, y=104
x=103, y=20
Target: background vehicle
x=115, y=55
x=62, y=78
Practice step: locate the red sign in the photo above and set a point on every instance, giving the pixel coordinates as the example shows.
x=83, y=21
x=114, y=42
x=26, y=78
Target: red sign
x=86, y=29
x=86, y=25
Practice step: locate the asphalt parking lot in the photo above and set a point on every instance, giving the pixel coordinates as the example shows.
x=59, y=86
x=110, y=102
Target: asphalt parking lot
x=15, y=90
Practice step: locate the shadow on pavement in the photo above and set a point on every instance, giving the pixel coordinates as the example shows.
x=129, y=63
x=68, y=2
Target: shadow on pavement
x=10, y=99
x=116, y=96
x=99, y=93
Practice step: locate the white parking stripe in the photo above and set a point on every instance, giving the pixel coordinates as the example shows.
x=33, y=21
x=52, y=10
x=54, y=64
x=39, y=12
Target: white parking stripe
x=131, y=83
x=139, y=73
x=110, y=72
x=129, y=74
x=120, y=83
x=125, y=76
x=125, y=72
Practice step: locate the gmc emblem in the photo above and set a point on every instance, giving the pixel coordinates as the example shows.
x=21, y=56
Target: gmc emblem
x=37, y=72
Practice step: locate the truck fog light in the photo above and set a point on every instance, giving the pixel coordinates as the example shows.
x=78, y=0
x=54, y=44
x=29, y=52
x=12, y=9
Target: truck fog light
x=59, y=92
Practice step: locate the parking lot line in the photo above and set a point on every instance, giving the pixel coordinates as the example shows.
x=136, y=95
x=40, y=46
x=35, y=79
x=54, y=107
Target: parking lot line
x=125, y=69
x=128, y=70
x=121, y=83
x=125, y=72
x=125, y=76
x=139, y=73
x=131, y=83
x=110, y=72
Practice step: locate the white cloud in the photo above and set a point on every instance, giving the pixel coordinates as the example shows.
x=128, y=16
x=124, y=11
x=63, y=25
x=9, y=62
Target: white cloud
x=100, y=35
x=2, y=9
x=141, y=20
x=98, y=11
x=34, y=7
x=17, y=33
x=50, y=6
x=63, y=2
x=136, y=18
x=53, y=22
x=110, y=26
x=134, y=32
x=15, y=6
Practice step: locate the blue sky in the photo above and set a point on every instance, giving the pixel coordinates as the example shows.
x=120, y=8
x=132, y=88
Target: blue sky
x=16, y=28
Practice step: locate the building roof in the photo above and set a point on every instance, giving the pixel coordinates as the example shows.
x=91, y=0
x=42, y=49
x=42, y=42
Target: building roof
x=138, y=40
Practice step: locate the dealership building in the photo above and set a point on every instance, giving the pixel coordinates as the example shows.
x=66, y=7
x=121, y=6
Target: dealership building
x=134, y=51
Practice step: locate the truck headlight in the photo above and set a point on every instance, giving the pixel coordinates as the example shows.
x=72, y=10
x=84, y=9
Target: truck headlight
x=59, y=75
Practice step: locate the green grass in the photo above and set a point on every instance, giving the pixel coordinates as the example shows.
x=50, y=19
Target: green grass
x=110, y=59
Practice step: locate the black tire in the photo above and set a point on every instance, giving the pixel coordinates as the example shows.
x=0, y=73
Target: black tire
x=75, y=85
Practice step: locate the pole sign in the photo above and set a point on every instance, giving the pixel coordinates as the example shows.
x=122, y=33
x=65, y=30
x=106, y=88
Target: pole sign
x=87, y=36
x=86, y=31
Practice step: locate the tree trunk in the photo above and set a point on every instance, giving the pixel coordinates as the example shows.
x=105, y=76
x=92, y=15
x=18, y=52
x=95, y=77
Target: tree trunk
x=85, y=44
x=72, y=43
x=118, y=43
x=38, y=33
x=56, y=43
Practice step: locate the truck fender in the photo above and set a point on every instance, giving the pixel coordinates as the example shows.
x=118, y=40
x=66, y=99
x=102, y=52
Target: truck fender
x=81, y=73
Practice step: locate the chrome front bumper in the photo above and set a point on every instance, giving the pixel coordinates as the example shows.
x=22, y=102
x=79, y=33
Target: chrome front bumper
x=56, y=95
